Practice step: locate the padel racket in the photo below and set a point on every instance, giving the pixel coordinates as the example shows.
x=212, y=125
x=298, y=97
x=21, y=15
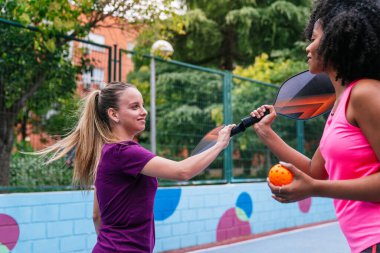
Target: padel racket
x=302, y=96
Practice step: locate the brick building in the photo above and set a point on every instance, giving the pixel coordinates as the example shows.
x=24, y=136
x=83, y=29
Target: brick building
x=110, y=33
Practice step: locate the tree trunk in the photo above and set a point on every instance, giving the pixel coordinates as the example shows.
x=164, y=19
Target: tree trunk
x=6, y=143
x=229, y=48
x=24, y=123
x=8, y=118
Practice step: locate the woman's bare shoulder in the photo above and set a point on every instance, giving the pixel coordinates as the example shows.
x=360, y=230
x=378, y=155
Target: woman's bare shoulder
x=365, y=91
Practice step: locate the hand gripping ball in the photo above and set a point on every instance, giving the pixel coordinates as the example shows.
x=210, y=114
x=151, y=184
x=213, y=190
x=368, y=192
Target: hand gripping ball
x=279, y=175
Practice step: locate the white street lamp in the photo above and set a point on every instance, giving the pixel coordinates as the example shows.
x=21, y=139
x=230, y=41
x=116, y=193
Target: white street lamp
x=160, y=47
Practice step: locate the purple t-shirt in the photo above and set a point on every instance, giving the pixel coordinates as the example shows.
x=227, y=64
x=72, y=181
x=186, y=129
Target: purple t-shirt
x=126, y=199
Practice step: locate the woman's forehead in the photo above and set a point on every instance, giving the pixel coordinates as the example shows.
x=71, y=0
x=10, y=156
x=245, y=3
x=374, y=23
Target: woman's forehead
x=317, y=25
x=131, y=93
x=318, y=29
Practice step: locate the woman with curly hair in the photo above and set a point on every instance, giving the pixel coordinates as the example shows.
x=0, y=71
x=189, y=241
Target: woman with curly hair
x=345, y=43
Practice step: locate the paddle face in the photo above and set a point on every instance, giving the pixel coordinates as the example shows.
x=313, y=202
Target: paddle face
x=207, y=141
x=301, y=97
x=305, y=96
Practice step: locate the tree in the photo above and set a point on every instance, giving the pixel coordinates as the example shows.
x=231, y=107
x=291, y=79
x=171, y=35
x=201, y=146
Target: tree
x=233, y=32
x=259, y=39
x=185, y=100
x=271, y=71
x=253, y=95
x=35, y=66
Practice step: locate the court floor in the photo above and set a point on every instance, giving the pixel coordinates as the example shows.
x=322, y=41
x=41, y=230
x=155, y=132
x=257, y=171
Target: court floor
x=326, y=238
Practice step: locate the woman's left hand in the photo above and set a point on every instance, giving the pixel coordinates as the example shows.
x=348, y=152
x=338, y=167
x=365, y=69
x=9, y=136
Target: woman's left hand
x=300, y=188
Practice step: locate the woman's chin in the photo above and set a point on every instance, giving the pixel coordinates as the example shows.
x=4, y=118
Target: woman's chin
x=315, y=70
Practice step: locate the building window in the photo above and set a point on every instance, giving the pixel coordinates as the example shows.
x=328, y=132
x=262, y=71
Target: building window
x=93, y=77
x=96, y=38
x=130, y=47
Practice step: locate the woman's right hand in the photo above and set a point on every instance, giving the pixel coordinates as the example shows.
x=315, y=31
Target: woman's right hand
x=302, y=186
x=266, y=120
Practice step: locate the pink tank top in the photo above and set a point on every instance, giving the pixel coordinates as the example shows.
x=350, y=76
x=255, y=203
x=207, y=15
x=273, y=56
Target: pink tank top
x=348, y=155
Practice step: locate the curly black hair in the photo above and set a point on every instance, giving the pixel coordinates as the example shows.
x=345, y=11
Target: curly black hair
x=351, y=40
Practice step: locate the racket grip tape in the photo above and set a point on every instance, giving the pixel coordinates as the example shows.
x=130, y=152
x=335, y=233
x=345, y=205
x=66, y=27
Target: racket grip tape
x=245, y=123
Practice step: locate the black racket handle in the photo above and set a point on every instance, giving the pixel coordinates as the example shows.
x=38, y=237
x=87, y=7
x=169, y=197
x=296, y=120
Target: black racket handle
x=245, y=123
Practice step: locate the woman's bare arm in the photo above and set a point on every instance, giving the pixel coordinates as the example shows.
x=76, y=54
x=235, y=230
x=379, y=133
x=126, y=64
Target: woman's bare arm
x=313, y=167
x=189, y=167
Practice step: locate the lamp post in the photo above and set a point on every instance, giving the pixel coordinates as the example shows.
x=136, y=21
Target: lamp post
x=164, y=48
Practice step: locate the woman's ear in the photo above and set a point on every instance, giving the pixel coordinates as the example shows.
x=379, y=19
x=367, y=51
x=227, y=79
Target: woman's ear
x=113, y=115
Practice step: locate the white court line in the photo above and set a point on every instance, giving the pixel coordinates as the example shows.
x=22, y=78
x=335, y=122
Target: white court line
x=297, y=230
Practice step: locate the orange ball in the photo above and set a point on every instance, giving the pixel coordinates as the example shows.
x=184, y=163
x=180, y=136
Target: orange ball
x=279, y=175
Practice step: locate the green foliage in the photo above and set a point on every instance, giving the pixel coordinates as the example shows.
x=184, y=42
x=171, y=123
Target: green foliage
x=188, y=102
x=219, y=11
x=231, y=32
x=32, y=80
x=285, y=22
x=160, y=29
x=268, y=70
x=260, y=40
x=247, y=96
x=36, y=71
x=244, y=21
x=234, y=32
x=30, y=172
x=191, y=45
x=62, y=116
x=35, y=67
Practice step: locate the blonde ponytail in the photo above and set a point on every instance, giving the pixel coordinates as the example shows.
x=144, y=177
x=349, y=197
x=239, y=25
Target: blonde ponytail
x=90, y=134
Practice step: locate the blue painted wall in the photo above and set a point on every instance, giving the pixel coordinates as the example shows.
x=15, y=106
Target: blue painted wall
x=185, y=216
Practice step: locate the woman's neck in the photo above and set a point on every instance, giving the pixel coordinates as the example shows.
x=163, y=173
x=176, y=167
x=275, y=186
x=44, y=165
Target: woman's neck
x=338, y=87
x=121, y=134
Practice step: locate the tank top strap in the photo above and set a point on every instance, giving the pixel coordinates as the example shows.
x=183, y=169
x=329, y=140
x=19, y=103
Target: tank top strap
x=341, y=110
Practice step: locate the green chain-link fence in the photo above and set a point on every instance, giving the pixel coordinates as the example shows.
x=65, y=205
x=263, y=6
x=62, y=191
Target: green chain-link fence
x=190, y=101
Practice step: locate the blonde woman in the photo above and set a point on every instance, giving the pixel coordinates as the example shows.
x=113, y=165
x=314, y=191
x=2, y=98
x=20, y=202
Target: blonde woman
x=124, y=172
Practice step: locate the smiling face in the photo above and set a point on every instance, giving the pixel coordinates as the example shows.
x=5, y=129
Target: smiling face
x=131, y=114
x=313, y=59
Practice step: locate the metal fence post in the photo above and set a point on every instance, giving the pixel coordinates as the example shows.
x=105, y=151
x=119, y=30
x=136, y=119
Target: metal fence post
x=109, y=64
x=120, y=65
x=114, y=62
x=153, y=144
x=227, y=116
x=300, y=136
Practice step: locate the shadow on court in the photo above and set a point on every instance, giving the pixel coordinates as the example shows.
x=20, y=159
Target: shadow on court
x=326, y=238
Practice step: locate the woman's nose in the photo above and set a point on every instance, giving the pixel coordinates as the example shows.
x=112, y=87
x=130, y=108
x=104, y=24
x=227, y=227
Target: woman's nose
x=307, y=49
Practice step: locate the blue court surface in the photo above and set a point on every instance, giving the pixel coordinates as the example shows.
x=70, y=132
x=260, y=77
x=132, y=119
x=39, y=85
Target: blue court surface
x=326, y=238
